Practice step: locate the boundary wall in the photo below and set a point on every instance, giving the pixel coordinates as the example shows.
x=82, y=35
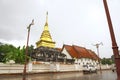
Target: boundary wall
x=42, y=68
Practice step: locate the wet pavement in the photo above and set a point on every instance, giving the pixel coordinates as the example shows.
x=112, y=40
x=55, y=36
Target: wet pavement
x=106, y=75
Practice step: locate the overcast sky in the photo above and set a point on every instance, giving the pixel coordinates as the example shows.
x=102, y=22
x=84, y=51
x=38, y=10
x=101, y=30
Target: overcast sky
x=72, y=22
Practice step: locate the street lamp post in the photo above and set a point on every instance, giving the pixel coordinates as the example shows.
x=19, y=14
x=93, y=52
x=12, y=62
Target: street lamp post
x=99, y=61
x=26, y=51
x=114, y=44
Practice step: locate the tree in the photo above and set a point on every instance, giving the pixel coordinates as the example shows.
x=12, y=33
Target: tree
x=15, y=54
x=30, y=50
x=20, y=57
x=113, y=58
x=10, y=52
x=106, y=61
x=4, y=49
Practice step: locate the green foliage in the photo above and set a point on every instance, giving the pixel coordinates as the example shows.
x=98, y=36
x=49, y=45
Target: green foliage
x=4, y=49
x=113, y=59
x=9, y=52
x=106, y=61
x=30, y=50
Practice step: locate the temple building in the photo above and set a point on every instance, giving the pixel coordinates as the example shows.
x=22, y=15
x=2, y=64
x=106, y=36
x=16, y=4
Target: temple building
x=81, y=55
x=68, y=54
x=46, y=39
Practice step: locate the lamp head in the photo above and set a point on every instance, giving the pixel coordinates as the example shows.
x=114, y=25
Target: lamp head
x=32, y=22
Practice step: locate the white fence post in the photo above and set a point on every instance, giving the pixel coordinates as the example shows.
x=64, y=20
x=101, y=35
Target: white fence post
x=29, y=66
x=57, y=67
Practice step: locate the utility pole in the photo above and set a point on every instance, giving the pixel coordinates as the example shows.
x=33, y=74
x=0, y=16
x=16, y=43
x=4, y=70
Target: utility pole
x=99, y=61
x=26, y=51
x=114, y=44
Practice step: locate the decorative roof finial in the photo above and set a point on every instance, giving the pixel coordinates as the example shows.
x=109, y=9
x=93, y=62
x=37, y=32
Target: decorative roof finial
x=47, y=16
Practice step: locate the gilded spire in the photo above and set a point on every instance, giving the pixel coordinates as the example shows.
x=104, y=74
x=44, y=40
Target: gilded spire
x=46, y=24
x=46, y=39
x=47, y=17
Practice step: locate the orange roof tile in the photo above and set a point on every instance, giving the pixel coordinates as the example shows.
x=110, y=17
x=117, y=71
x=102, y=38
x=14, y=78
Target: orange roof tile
x=71, y=51
x=93, y=54
x=80, y=52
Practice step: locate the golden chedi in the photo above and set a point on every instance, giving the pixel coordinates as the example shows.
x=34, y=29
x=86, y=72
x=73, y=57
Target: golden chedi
x=46, y=39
